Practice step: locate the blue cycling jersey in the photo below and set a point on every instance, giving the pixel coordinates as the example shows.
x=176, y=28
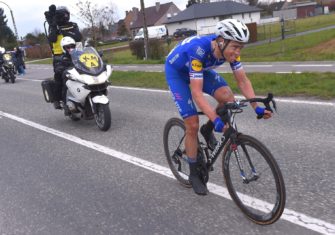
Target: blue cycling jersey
x=193, y=58
x=194, y=55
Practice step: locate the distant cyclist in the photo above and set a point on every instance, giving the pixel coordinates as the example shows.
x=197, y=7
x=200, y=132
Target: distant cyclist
x=189, y=73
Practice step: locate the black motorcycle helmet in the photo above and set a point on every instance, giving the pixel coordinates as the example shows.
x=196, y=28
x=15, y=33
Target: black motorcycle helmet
x=62, y=15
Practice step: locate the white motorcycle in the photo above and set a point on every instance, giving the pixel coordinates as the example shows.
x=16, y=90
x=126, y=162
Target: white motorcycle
x=87, y=82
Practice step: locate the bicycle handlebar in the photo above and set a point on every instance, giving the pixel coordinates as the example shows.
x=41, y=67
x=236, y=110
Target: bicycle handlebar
x=266, y=101
x=237, y=105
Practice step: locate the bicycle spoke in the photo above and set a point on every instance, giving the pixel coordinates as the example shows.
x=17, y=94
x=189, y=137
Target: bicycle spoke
x=260, y=195
x=174, y=135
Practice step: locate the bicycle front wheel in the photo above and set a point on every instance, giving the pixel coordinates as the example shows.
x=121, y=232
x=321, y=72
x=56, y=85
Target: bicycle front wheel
x=174, y=147
x=254, y=180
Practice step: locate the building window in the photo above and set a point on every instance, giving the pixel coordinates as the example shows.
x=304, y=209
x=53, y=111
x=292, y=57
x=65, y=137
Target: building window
x=223, y=17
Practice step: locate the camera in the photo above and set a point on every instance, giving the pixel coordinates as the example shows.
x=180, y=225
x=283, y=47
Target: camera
x=49, y=15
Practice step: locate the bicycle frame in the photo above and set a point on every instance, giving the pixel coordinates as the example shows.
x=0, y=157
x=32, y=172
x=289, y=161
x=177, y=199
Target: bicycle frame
x=230, y=134
x=213, y=156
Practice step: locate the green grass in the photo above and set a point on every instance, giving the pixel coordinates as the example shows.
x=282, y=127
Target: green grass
x=273, y=30
x=110, y=45
x=292, y=49
x=318, y=85
x=125, y=57
x=43, y=61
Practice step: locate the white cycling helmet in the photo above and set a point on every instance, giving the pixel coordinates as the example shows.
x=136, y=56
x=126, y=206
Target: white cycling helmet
x=66, y=43
x=2, y=50
x=232, y=29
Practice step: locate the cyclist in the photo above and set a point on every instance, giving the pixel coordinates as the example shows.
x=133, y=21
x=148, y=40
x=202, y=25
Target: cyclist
x=189, y=72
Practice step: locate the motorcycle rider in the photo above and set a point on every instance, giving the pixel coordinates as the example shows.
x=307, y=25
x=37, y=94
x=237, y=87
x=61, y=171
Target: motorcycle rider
x=65, y=62
x=60, y=26
x=2, y=51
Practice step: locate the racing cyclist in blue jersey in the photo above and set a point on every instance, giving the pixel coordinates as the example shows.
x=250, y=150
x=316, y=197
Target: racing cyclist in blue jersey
x=189, y=73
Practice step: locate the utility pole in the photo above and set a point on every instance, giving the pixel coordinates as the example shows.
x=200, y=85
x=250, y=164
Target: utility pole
x=282, y=28
x=145, y=31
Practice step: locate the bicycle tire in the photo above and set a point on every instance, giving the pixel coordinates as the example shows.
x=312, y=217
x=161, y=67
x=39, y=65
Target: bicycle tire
x=257, y=209
x=174, y=149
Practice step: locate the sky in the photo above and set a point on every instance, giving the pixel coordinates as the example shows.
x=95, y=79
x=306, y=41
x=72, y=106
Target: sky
x=29, y=14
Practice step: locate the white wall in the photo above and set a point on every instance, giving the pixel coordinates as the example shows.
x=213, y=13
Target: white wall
x=269, y=20
x=207, y=25
x=287, y=14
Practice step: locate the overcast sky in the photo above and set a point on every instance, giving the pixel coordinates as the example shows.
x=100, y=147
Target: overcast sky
x=29, y=14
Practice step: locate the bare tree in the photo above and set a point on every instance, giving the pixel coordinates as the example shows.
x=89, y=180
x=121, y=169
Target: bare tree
x=96, y=18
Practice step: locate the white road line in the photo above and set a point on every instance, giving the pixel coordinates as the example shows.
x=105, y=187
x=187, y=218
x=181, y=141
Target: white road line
x=257, y=65
x=312, y=65
x=283, y=72
x=291, y=216
x=237, y=96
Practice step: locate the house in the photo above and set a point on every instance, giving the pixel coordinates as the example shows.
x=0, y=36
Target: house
x=155, y=15
x=293, y=10
x=131, y=16
x=203, y=16
x=330, y=4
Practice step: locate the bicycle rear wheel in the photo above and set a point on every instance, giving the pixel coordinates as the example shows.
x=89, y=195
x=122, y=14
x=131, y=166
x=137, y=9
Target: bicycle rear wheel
x=174, y=147
x=259, y=190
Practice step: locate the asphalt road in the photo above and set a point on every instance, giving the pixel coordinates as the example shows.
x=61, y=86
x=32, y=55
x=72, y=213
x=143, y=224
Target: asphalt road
x=261, y=67
x=64, y=177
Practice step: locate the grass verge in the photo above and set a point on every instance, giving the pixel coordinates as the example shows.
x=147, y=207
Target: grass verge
x=314, y=85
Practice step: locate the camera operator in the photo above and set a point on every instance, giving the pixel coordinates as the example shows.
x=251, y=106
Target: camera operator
x=60, y=26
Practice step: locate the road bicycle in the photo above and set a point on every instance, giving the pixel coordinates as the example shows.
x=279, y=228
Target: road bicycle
x=252, y=175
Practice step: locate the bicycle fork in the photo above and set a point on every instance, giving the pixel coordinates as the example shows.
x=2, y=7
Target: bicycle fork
x=234, y=149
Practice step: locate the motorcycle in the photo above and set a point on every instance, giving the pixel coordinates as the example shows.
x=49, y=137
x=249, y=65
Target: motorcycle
x=87, y=82
x=8, y=68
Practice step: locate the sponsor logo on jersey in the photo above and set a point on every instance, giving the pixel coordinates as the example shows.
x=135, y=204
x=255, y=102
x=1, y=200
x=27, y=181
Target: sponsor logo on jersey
x=173, y=59
x=196, y=65
x=200, y=52
x=196, y=76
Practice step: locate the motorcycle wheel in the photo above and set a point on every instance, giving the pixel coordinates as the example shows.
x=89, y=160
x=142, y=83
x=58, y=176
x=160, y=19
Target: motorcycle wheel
x=74, y=118
x=103, y=116
x=12, y=77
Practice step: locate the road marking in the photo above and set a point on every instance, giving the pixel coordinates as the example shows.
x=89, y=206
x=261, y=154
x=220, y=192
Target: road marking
x=322, y=103
x=312, y=65
x=291, y=216
x=288, y=72
x=257, y=65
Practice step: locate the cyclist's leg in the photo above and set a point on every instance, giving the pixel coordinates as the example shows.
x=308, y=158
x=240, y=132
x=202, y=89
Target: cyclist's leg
x=182, y=97
x=181, y=94
x=217, y=87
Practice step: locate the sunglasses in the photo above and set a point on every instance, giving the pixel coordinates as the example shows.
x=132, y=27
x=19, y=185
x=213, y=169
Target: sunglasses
x=68, y=47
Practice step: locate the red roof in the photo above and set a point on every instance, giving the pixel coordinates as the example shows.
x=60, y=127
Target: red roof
x=152, y=15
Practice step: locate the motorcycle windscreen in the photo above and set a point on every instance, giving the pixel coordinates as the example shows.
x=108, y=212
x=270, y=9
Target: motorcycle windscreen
x=86, y=60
